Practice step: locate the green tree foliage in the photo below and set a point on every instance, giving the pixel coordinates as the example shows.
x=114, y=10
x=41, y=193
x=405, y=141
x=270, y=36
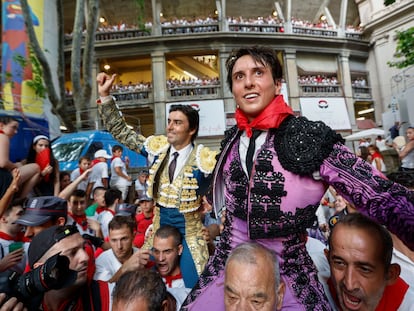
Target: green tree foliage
x=141, y=13
x=405, y=49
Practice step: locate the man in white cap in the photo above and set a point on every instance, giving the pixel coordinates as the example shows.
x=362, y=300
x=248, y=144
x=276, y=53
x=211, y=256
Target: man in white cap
x=99, y=175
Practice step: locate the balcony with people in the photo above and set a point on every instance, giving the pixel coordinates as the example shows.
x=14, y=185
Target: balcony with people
x=186, y=88
x=208, y=24
x=360, y=88
x=326, y=85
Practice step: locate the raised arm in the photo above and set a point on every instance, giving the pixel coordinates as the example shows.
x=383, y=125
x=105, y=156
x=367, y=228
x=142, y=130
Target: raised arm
x=112, y=117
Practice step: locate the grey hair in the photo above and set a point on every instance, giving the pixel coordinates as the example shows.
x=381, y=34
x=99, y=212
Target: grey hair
x=249, y=253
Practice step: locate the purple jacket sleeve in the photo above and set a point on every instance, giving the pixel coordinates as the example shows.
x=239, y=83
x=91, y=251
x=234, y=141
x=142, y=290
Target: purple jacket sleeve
x=372, y=194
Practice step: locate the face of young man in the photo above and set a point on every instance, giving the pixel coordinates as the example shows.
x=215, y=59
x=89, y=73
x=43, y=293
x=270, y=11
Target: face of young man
x=71, y=247
x=31, y=231
x=146, y=206
x=167, y=256
x=253, y=86
x=178, y=130
x=13, y=215
x=121, y=243
x=99, y=197
x=251, y=287
x=357, y=269
x=84, y=164
x=77, y=205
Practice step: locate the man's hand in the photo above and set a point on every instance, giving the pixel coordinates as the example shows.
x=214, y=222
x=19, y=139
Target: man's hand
x=11, y=304
x=105, y=82
x=138, y=260
x=11, y=259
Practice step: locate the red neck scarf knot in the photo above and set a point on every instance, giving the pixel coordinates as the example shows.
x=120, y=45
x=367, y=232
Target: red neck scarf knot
x=270, y=117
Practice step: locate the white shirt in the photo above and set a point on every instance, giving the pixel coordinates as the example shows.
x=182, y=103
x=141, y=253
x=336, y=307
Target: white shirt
x=117, y=180
x=107, y=265
x=183, y=155
x=4, y=250
x=104, y=218
x=83, y=184
x=99, y=171
x=244, y=145
x=408, y=302
x=407, y=266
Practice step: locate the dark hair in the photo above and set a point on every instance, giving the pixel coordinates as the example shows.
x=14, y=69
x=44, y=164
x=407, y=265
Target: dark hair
x=31, y=158
x=84, y=158
x=192, y=116
x=263, y=55
x=144, y=283
x=7, y=119
x=167, y=231
x=119, y=221
x=63, y=174
x=116, y=148
x=376, y=230
x=111, y=195
x=78, y=193
x=15, y=202
x=97, y=189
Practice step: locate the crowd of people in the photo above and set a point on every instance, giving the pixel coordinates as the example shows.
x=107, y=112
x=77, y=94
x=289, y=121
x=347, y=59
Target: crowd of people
x=240, y=229
x=199, y=24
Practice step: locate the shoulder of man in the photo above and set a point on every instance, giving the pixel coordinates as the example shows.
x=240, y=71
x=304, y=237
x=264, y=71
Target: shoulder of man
x=206, y=159
x=156, y=144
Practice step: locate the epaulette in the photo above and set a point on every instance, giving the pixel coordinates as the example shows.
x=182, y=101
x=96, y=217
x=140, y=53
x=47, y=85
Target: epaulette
x=154, y=145
x=206, y=159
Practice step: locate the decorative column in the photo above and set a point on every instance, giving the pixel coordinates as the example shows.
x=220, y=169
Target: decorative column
x=158, y=90
x=345, y=74
x=291, y=77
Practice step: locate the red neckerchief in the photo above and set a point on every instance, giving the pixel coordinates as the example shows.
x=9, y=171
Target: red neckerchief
x=1, y=132
x=80, y=220
x=113, y=157
x=270, y=117
x=103, y=209
x=94, y=161
x=376, y=155
x=5, y=236
x=391, y=299
x=170, y=278
x=81, y=171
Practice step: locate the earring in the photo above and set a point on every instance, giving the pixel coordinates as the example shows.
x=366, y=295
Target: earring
x=237, y=106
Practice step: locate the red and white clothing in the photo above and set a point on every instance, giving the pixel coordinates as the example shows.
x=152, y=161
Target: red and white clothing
x=5, y=241
x=119, y=182
x=104, y=216
x=107, y=265
x=142, y=225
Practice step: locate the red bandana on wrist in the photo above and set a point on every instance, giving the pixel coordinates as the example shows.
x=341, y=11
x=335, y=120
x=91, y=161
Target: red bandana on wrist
x=270, y=117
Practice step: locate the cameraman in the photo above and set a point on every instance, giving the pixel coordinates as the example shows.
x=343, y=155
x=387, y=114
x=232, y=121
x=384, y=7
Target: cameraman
x=81, y=294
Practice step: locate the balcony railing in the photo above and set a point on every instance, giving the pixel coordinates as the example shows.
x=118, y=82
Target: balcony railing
x=197, y=91
x=320, y=32
x=320, y=90
x=361, y=92
x=187, y=29
x=115, y=35
x=268, y=28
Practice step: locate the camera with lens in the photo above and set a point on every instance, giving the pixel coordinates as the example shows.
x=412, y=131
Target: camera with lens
x=29, y=287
